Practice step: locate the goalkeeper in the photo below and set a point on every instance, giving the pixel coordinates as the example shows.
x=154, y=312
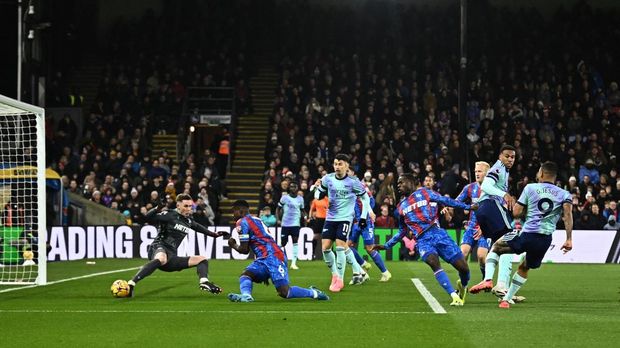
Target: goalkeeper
x=174, y=226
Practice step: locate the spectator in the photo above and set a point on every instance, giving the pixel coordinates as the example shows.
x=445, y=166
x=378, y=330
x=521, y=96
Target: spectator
x=385, y=220
x=612, y=224
x=588, y=170
x=267, y=218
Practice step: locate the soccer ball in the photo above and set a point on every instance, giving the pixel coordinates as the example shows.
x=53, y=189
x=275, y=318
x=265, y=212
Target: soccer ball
x=120, y=288
x=28, y=255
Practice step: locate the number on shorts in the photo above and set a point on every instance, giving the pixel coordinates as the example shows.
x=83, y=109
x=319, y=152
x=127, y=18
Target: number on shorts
x=545, y=206
x=281, y=270
x=345, y=228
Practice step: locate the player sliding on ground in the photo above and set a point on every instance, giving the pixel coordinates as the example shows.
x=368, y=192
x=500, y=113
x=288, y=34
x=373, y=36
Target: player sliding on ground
x=174, y=226
x=416, y=215
x=270, y=262
x=544, y=203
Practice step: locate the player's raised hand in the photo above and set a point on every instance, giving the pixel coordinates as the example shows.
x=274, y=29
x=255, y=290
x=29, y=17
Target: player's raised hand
x=567, y=246
x=222, y=233
x=317, y=183
x=378, y=247
x=444, y=210
x=474, y=206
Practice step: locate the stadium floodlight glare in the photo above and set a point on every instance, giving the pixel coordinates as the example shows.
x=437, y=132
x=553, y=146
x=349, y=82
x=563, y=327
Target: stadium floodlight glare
x=23, y=255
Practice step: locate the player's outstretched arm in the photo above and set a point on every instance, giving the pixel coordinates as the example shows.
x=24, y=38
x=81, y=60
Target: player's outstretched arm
x=200, y=228
x=568, y=225
x=447, y=201
x=243, y=248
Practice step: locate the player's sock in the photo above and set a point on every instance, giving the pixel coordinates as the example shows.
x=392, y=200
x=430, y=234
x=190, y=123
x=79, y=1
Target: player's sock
x=341, y=261
x=245, y=285
x=355, y=266
x=295, y=252
x=504, y=271
x=464, y=276
x=202, y=268
x=358, y=257
x=482, y=268
x=297, y=292
x=490, y=265
x=376, y=257
x=515, y=285
x=444, y=281
x=146, y=270
x=330, y=260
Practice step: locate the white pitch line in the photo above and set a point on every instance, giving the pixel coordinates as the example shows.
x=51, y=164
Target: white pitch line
x=244, y=312
x=430, y=299
x=70, y=279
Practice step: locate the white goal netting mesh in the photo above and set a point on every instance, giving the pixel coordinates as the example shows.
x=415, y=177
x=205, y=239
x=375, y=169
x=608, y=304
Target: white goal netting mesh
x=21, y=221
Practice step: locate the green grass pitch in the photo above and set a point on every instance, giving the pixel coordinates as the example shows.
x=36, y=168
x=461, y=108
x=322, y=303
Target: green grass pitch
x=567, y=305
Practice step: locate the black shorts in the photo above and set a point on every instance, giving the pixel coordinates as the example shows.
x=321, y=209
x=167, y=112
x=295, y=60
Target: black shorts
x=535, y=245
x=174, y=264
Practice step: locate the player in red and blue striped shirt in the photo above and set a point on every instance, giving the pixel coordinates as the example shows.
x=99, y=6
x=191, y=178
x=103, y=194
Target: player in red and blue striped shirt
x=418, y=216
x=270, y=262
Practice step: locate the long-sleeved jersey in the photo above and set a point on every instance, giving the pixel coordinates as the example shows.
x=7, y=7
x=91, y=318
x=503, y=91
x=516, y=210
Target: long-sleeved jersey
x=173, y=227
x=416, y=214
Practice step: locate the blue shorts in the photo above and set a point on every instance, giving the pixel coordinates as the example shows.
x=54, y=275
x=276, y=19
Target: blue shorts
x=292, y=231
x=494, y=219
x=269, y=268
x=437, y=241
x=468, y=238
x=367, y=234
x=333, y=230
x=535, y=245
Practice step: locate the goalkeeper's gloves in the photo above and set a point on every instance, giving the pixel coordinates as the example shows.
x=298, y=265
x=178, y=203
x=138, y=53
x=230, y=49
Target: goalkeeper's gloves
x=362, y=223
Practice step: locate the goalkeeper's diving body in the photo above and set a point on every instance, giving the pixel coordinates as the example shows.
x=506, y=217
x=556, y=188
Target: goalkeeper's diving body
x=174, y=226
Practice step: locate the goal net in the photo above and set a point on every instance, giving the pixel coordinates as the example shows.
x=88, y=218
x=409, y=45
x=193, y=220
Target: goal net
x=22, y=193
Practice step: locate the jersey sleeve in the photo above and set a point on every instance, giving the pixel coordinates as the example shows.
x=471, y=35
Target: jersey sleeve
x=447, y=201
x=321, y=190
x=163, y=216
x=281, y=202
x=464, y=194
x=244, y=230
x=568, y=198
x=523, y=198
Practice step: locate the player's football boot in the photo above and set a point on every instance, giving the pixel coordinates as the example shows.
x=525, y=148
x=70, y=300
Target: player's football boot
x=339, y=285
x=518, y=299
x=367, y=266
x=332, y=286
x=456, y=300
x=385, y=276
x=499, y=291
x=130, y=294
x=462, y=290
x=240, y=297
x=294, y=266
x=511, y=301
x=357, y=279
x=320, y=295
x=485, y=285
x=365, y=277
x=504, y=304
x=210, y=287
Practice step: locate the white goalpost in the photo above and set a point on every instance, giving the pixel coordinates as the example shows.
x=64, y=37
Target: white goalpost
x=22, y=194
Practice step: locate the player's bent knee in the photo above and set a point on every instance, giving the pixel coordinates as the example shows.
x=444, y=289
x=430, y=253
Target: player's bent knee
x=162, y=257
x=369, y=248
x=283, y=291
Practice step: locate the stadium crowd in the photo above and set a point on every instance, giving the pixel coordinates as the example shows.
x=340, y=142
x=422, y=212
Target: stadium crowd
x=382, y=90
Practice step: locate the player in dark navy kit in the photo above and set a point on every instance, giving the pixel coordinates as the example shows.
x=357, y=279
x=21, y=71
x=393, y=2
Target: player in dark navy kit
x=174, y=226
x=270, y=262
